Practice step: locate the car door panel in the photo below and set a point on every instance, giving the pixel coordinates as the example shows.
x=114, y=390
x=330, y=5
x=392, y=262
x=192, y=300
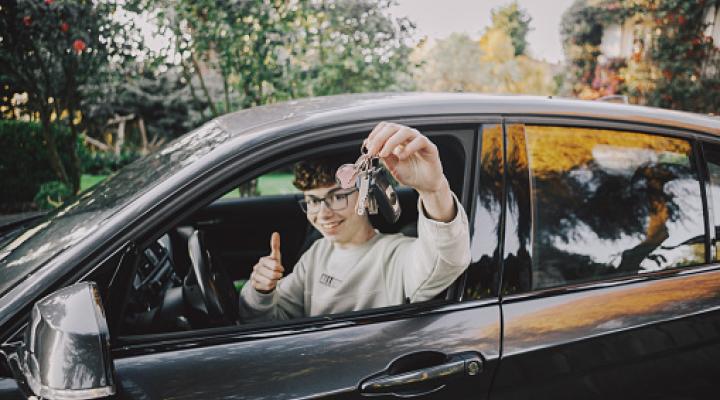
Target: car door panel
x=321, y=363
x=645, y=335
x=650, y=339
x=9, y=389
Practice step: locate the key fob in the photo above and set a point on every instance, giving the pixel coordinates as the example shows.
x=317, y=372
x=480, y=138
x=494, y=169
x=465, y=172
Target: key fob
x=384, y=195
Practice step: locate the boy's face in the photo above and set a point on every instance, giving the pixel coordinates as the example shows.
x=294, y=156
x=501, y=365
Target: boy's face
x=339, y=222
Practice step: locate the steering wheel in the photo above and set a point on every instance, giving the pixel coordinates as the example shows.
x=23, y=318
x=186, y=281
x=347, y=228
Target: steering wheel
x=217, y=291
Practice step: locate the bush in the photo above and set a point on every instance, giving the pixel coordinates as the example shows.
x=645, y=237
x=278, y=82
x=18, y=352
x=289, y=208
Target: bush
x=24, y=164
x=101, y=163
x=52, y=195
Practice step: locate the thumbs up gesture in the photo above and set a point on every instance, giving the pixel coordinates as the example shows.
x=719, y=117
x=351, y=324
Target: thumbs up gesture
x=268, y=270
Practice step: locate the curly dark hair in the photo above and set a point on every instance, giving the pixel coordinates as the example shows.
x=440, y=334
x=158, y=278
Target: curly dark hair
x=315, y=173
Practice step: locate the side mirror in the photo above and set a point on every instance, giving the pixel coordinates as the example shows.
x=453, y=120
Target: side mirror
x=65, y=353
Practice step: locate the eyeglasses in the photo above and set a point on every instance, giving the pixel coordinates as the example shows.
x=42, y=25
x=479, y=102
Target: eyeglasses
x=334, y=200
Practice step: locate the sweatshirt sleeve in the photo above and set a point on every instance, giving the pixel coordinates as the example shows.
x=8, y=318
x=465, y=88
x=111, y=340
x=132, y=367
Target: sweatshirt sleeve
x=285, y=302
x=429, y=264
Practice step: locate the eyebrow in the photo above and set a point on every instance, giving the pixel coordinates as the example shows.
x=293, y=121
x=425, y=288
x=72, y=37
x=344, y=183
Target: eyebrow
x=330, y=192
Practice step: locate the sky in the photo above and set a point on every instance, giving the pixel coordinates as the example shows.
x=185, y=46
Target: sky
x=437, y=19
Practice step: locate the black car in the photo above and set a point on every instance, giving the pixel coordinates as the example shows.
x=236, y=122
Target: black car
x=594, y=268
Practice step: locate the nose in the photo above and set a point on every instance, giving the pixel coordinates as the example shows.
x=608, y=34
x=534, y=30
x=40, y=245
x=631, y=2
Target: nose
x=325, y=208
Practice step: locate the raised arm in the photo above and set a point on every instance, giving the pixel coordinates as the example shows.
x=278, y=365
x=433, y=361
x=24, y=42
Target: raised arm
x=427, y=265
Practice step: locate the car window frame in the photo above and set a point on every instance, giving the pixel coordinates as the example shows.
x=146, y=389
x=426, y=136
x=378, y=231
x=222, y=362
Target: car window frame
x=712, y=212
x=332, y=137
x=693, y=137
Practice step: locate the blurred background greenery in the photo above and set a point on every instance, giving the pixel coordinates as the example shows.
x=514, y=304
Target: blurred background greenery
x=82, y=93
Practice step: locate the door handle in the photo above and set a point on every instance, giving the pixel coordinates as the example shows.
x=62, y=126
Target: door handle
x=423, y=380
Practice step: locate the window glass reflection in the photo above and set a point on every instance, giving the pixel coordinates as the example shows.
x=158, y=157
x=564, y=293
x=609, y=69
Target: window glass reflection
x=712, y=155
x=609, y=203
x=482, y=277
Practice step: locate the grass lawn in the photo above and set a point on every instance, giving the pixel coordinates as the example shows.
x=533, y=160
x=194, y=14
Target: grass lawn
x=88, y=181
x=268, y=184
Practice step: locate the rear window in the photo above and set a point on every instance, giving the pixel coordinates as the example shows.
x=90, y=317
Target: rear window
x=611, y=203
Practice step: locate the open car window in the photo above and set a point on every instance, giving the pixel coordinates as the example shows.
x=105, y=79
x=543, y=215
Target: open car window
x=273, y=183
x=168, y=291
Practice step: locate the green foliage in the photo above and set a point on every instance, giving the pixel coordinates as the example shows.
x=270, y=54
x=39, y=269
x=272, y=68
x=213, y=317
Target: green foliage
x=103, y=163
x=353, y=46
x=515, y=22
x=49, y=49
x=681, y=54
x=51, y=195
x=238, y=54
x=674, y=65
x=162, y=99
x=24, y=162
x=581, y=29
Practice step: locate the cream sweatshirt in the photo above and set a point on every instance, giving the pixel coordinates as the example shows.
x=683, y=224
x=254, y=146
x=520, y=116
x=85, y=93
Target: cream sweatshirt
x=382, y=272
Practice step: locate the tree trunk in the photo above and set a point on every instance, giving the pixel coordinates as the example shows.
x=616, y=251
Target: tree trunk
x=226, y=89
x=75, y=179
x=120, y=137
x=209, y=98
x=143, y=136
x=53, y=155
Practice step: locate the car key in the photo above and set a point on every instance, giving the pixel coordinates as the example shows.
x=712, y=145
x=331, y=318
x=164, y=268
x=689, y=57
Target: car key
x=347, y=174
x=363, y=192
x=372, y=205
x=383, y=195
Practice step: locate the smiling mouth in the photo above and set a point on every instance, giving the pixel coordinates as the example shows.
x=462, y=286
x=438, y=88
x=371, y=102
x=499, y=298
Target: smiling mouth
x=330, y=225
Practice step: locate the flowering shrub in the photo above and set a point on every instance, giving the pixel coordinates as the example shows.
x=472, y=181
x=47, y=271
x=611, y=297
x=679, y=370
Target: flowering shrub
x=672, y=63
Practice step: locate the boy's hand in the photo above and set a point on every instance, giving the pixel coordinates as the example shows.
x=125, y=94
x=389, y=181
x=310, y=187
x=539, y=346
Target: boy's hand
x=268, y=270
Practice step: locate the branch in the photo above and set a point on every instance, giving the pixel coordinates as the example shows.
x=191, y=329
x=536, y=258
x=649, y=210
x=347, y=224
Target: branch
x=202, y=84
x=100, y=145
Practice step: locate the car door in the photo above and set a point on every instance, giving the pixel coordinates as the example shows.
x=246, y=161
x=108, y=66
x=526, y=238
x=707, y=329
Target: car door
x=454, y=341
x=611, y=285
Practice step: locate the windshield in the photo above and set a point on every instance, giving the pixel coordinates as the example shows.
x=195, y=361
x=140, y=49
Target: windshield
x=25, y=249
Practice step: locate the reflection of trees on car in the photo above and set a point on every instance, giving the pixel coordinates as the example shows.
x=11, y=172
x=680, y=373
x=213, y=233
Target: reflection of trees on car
x=605, y=202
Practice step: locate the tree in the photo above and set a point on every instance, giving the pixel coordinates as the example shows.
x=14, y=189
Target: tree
x=489, y=65
x=49, y=50
x=673, y=62
x=239, y=54
x=158, y=97
x=452, y=64
x=515, y=22
x=354, y=46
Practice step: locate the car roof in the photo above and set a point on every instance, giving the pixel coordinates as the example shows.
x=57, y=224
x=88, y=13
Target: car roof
x=374, y=106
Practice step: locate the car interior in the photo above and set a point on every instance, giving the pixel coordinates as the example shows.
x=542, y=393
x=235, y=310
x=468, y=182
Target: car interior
x=189, y=277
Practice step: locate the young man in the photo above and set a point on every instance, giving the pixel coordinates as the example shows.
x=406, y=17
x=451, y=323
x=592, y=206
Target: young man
x=354, y=267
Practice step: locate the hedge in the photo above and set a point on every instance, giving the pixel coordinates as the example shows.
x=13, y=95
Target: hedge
x=24, y=164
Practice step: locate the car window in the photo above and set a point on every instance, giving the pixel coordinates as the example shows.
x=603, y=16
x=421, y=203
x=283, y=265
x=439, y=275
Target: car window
x=610, y=203
x=712, y=157
x=277, y=182
x=199, y=272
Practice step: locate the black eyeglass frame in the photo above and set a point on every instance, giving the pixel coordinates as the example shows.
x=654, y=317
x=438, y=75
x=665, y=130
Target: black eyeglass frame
x=347, y=192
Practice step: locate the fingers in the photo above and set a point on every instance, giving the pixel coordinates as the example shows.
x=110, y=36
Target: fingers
x=380, y=126
x=379, y=135
x=389, y=138
x=266, y=273
x=275, y=246
x=269, y=267
x=400, y=137
x=419, y=143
